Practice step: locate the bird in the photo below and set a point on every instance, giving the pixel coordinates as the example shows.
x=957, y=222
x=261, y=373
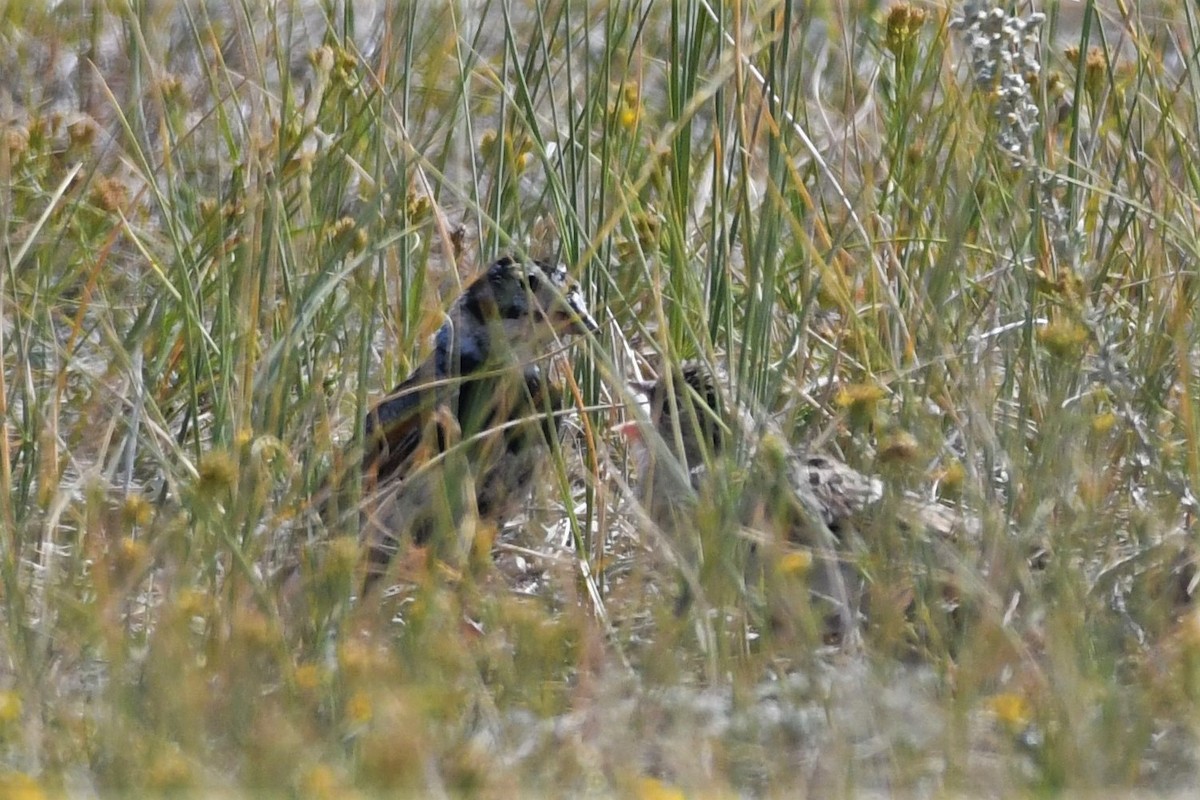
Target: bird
x=700, y=441
x=465, y=435
x=695, y=423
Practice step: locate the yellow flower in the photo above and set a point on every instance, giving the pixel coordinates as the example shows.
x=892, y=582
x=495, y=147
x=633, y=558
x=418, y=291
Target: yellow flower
x=859, y=396
x=1012, y=710
x=358, y=709
x=130, y=556
x=904, y=22
x=795, y=562
x=252, y=628
x=169, y=771
x=951, y=477
x=218, y=472
x=1065, y=283
x=10, y=707
x=418, y=206
x=346, y=231
x=1103, y=422
x=320, y=781
x=627, y=108
x=19, y=786
x=899, y=446
x=193, y=603
x=653, y=789
x=631, y=93
x=1063, y=339
x=136, y=510
x=860, y=400
x=358, y=660
x=307, y=677
x=487, y=142
x=243, y=437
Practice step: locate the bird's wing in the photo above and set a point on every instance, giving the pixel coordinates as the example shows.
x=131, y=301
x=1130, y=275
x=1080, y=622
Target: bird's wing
x=842, y=490
x=845, y=492
x=943, y=522
x=398, y=424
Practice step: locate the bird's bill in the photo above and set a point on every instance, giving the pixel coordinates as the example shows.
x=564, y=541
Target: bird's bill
x=631, y=431
x=579, y=321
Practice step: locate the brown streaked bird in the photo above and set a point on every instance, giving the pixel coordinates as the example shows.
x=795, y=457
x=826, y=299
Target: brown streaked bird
x=709, y=425
x=698, y=432
x=464, y=437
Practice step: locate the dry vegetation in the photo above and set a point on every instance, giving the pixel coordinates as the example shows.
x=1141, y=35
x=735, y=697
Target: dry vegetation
x=960, y=254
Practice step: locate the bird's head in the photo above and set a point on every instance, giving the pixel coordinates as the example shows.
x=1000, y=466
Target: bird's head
x=537, y=301
x=687, y=413
x=515, y=307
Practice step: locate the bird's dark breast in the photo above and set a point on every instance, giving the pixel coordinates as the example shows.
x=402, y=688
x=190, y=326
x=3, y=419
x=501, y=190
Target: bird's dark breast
x=516, y=420
x=461, y=352
x=477, y=302
x=504, y=486
x=505, y=422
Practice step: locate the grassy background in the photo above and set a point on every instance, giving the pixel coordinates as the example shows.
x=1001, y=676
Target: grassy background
x=228, y=230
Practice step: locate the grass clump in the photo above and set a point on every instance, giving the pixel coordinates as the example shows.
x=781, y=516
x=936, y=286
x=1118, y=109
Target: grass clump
x=955, y=248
